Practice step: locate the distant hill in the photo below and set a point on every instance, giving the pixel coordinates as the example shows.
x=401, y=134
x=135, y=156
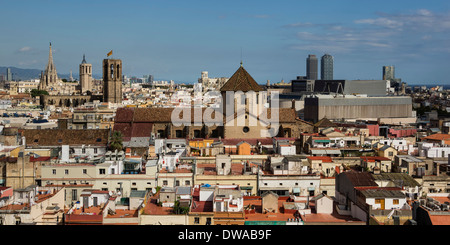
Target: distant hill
x=27, y=74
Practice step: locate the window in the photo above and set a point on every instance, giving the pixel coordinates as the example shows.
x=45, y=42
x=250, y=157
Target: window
x=95, y=150
x=84, y=171
x=395, y=202
x=74, y=195
x=179, y=134
x=187, y=182
x=165, y=182
x=134, y=183
x=245, y=129
x=196, y=220
x=66, y=171
x=54, y=171
x=102, y=171
x=197, y=134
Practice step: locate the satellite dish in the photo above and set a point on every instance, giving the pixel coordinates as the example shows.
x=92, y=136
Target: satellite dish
x=153, y=191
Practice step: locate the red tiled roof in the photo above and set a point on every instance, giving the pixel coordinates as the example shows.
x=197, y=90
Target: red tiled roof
x=437, y=137
x=373, y=159
x=323, y=158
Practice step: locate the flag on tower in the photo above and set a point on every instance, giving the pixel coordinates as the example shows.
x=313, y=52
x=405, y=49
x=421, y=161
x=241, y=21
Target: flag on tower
x=110, y=53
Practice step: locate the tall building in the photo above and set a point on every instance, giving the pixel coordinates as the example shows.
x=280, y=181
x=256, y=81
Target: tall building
x=112, y=80
x=8, y=74
x=85, y=76
x=326, y=69
x=388, y=72
x=312, y=67
x=49, y=78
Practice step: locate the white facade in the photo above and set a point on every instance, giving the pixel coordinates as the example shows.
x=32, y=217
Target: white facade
x=285, y=150
x=388, y=203
x=306, y=185
x=399, y=144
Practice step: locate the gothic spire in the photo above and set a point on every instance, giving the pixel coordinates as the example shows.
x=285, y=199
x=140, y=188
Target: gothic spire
x=50, y=70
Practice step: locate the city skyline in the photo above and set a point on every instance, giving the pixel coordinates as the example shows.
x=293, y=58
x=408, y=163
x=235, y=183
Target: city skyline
x=178, y=40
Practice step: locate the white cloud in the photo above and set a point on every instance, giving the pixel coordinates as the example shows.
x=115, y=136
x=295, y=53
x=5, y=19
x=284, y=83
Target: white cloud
x=25, y=49
x=384, y=22
x=418, y=32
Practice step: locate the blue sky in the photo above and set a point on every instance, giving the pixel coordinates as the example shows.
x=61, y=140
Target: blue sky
x=179, y=39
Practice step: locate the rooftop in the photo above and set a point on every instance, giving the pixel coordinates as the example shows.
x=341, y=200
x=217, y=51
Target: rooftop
x=241, y=81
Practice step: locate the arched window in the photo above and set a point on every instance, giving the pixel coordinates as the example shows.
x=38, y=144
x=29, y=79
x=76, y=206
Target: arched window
x=117, y=71
x=112, y=71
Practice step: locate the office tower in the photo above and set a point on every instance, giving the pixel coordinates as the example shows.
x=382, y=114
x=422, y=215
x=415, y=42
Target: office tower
x=150, y=79
x=311, y=67
x=326, y=70
x=8, y=74
x=388, y=72
x=85, y=76
x=112, y=80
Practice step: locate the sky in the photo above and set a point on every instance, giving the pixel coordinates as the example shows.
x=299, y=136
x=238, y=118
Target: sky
x=177, y=40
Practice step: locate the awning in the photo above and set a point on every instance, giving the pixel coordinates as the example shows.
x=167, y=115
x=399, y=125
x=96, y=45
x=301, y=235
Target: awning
x=246, y=187
x=322, y=141
x=296, y=190
x=326, y=152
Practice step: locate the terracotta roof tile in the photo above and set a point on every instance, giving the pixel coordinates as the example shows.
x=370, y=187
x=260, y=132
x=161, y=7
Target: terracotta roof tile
x=241, y=81
x=58, y=137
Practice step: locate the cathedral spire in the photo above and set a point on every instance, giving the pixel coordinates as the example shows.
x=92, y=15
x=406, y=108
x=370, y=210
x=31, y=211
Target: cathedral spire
x=50, y=65
x=50, y=71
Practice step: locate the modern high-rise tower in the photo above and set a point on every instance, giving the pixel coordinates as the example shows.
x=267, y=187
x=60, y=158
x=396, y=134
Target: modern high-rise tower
x=388, y=72
x=112, y=80
x=8, y=74
x=311, y=67
x=85, y=76
x=326, y=69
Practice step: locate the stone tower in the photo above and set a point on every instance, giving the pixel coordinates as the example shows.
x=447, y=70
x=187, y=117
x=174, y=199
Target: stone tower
x=85, y=76
x=112, y=80
x=49, y=78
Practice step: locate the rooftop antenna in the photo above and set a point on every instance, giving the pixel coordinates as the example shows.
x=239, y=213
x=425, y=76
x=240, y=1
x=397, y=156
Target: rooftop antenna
x=241, y=56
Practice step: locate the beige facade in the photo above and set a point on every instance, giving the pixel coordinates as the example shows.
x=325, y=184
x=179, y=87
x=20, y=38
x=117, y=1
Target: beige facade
x=201, y=218
x=170, y=219
x=76, y=177
x=436, y=184
x=92, y=118
x=173, y=179
x=43, y=212
x=85, y=76
x=21, y=172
